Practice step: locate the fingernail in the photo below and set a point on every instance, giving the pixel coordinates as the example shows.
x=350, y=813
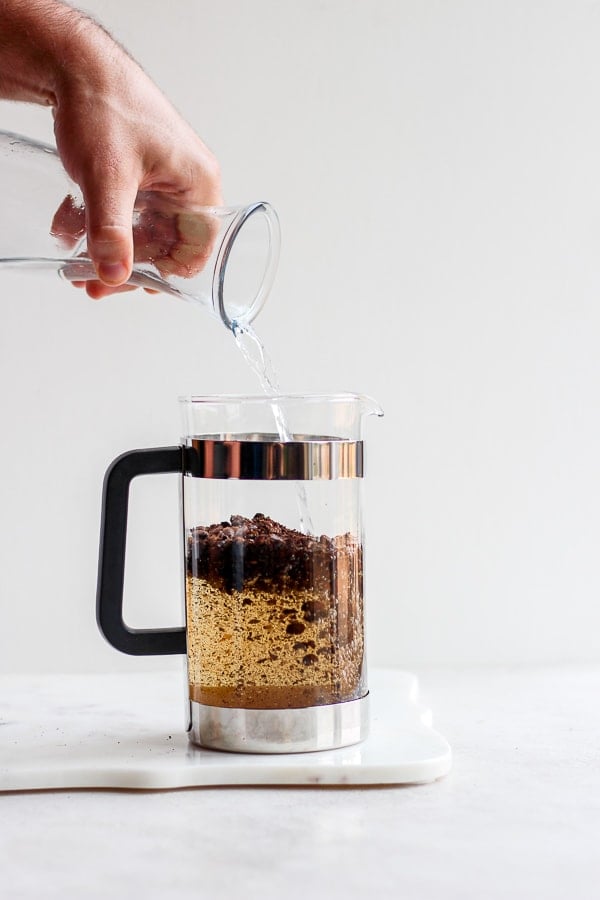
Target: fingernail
x=112, y=273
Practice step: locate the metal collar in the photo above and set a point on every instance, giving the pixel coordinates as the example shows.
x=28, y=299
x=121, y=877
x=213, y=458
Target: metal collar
x=263, y=457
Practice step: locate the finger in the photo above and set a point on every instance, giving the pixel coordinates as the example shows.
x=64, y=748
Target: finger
x=68, y=224
x=109, y=199
x=154, y=235
x=97, y=290
x=191, y=248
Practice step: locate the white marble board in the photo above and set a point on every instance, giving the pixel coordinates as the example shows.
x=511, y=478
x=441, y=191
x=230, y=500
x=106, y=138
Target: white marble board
x=125, y=731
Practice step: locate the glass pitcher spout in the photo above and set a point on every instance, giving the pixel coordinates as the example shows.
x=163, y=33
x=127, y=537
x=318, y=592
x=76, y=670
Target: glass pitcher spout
x=223, y=258
x=368, y=406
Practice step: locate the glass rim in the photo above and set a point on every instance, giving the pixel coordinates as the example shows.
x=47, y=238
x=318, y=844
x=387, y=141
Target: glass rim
x=232, y=399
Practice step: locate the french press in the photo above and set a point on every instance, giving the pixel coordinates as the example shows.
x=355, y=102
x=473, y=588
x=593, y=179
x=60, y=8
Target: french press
x=273, y=551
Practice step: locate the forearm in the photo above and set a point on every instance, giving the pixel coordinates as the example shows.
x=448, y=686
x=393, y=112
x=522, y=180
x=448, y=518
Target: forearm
x=43, y=44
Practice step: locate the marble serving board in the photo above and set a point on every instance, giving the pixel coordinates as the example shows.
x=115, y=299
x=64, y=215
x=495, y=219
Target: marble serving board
x=125, y=731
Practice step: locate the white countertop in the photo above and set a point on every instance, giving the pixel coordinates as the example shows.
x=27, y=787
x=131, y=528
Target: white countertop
x=518, y=816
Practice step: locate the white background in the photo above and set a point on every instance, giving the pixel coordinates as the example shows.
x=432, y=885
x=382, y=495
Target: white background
x=435, y=168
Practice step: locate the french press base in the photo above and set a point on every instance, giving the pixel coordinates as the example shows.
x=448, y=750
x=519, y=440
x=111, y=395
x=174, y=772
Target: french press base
x=280, y=730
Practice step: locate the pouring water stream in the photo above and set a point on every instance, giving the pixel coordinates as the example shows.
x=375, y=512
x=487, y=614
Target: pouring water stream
x=254, y=353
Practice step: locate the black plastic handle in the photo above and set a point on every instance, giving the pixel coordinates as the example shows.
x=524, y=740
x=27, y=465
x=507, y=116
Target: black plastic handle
x=111, y=566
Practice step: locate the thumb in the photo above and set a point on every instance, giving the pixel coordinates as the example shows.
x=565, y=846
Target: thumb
x=109, y=200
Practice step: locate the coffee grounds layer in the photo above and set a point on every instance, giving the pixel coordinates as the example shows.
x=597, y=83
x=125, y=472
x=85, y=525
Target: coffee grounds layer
x=274, y=616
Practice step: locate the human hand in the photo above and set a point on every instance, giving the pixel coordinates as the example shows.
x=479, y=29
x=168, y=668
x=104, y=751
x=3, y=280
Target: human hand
x=172, y=240
x=116, y=133
x=116, y=141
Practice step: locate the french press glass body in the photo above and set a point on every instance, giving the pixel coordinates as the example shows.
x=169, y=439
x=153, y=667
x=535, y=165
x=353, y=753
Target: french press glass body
x=273, y=549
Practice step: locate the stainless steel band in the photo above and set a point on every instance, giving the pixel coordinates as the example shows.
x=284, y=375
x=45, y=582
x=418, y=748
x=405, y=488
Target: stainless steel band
x=279, y=730
x=264, y=457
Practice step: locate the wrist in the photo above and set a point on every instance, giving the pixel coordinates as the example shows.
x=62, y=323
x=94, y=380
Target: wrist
x=89, y=62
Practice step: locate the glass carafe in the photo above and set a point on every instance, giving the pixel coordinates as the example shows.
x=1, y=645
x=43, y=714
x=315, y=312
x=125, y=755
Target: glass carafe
x=223, y=258
x=274, y=613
